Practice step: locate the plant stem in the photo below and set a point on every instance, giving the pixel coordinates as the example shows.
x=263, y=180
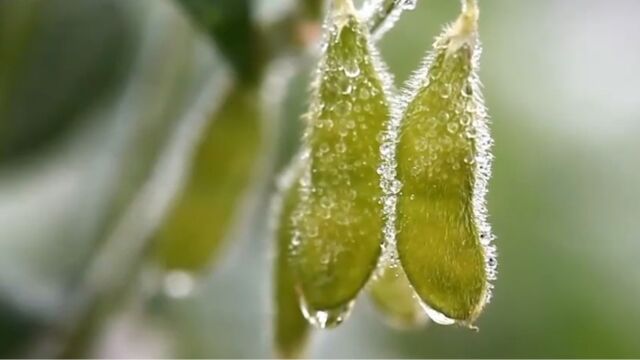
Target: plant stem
x=382, y=14
x=344, y=7
x=469, y=6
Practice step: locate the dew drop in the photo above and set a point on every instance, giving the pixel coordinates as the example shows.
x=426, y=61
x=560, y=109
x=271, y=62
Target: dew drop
x=471, y=133
x=326, y=319
x=178, y=284
x=437, y=316
x=452, y=127
x=409, y=4
x=445, y=92
x=469, y=159
x=364, y=93
x=466, y=91
x=328, y=123
x=351, y=69
x=396, y=185
x=342, y=108
x=344, y=86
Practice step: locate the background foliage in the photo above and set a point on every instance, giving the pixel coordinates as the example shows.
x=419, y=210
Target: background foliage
x=98, y=99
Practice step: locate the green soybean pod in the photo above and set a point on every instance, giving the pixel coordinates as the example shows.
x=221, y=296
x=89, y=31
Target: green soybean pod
x=394, y=297
x=339, y=220
x=291, y=329
x=223, y=168
x=443, y=238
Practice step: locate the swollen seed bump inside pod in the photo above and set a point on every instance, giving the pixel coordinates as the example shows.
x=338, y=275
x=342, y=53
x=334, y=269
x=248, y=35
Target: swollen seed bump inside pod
x=339, y=220
x=443, y=238
x=291, y=329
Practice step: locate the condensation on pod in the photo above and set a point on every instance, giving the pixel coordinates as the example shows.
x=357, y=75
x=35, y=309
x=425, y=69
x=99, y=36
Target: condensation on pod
x=339, y=220
x=444, y=159
x=291, y=329
x=222, y=170
x=394, y=297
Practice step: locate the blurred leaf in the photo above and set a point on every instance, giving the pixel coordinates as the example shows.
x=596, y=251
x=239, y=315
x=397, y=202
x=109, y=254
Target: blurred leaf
x=53, y=70
x=230, y=23
x=70, y=202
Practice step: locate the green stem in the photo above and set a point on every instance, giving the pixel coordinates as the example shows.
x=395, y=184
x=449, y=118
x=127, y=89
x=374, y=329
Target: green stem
x=385, y=13
x=344, y=7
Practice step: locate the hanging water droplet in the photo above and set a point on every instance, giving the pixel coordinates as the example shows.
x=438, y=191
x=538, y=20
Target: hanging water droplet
x=178, y=284
x=437, y=316
x=326, y=319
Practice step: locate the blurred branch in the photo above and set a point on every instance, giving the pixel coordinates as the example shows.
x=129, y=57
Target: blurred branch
x=381, y=15
x=231, y=26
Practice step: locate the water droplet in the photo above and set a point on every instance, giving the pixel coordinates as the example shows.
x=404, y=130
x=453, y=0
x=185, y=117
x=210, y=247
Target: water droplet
x=466, y=91
x=352, y=68
x=364, y=93
x=445, y=91
x=326, y=319
x=396, y=185
x=409, y=4
x=469, y=159
x=437, y=316
x=178, y=284
x=344, y=86
x=452, y=127
x=342, y=108
x=328, y=123
x=470, y=133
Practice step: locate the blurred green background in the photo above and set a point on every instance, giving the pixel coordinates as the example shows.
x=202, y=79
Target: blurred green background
x=101, y=104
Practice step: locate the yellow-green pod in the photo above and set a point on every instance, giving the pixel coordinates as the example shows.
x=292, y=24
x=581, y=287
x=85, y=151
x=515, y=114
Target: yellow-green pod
x=339, y=220
x=394, y=297
x=291, y=329
x=443, y=156
x=223, y=167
